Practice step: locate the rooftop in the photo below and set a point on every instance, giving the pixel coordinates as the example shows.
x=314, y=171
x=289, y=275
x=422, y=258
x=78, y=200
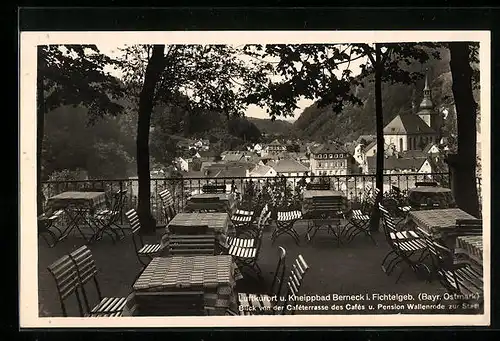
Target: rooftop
x=407, y=124
x=288, y=166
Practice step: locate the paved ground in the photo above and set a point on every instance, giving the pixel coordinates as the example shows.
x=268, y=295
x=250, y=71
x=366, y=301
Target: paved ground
x=348, y=269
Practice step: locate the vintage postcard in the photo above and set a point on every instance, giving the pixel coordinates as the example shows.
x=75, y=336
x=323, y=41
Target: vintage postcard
x=255, y=178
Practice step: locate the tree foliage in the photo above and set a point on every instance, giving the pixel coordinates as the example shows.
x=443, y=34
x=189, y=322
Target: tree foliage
x=75, y=75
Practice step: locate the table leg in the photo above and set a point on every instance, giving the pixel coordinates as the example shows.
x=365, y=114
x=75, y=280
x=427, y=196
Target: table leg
x=71, y=225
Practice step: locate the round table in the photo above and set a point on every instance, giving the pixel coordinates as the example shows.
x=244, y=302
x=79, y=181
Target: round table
x=430, y=196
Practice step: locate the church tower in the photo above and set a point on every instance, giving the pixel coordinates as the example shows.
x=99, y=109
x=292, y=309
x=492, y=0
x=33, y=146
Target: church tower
x=426, y=110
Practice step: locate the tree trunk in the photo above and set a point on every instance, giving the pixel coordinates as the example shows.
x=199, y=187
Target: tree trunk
x=463, y=165
x=146, y=99
x=379, y=122
x=40, y=128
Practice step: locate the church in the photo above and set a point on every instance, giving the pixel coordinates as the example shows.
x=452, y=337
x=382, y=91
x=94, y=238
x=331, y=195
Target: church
x=416, y=130
x=410, y=140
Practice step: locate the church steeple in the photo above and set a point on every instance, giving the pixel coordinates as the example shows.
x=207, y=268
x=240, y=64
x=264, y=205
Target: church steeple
x=427, y=100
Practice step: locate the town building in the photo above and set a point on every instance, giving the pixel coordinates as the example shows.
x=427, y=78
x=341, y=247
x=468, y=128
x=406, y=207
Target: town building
x=288, y=167
x=275, y=147
x=329, y=160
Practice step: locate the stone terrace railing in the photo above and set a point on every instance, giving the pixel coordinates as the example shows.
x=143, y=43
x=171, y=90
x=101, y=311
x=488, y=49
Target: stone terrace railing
x=182, y=188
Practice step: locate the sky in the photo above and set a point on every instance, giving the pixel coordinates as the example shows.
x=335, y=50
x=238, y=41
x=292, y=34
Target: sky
x=111, y=50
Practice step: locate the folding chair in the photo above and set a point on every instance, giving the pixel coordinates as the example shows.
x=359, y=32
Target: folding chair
x=65, y=275
x=247, y=257
x=359, y=219
x=467, y=227
x=404, y=245
x=295, y=281
x=258, y=304
x=191, y=241
x=284, y=225
x=143, y=251
x=462, y=280
x=46, y=226
x=108, y=220
x=87, y=271
x=168, y=204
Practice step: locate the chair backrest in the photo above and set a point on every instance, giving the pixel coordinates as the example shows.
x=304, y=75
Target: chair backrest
x=467, y=227
x=135, y=227
x=426, y=183
x=214, y=188
x=167, y=201
x=295, y=279
x=65, y=275
x=188, y=303
x=279, y=274
x=319, y=187
x=388, y=224
x=118, y=202
x=87, y=270
x=191, y=245
x=372, y=197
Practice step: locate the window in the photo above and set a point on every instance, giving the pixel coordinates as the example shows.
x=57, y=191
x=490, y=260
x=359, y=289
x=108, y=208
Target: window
x=318, y=156
x=341, y=155
x=331, y=156
x=319, y=164
x=336, y=155
x=324, y=156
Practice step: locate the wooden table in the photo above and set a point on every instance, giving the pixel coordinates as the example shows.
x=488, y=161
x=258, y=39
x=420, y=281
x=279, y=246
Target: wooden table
x=438, y=221
x=221, y=202
x=217, y=222
x=214, y=275
x=78, y=206
x=430, y=196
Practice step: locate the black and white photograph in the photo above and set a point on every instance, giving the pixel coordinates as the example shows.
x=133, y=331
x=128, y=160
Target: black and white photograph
x=248, y=178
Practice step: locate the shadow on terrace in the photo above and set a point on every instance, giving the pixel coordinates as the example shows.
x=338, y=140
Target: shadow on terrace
x=348, y=269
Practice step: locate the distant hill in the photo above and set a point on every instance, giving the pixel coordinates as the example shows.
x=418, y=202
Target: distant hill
x=322, y=123
x=271, y=127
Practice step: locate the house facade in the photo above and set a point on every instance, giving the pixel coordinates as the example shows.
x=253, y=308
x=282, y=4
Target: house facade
x=329, y=160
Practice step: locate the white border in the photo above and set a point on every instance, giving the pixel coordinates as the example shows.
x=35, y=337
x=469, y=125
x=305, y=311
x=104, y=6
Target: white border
x=28, y=300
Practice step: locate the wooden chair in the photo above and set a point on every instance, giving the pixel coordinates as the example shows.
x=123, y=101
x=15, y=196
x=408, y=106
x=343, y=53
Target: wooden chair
x=108, y=219
x=87, y=271
x=210, y=188
x=257, y=304
x=295, y=280
x=468, y=227
x=190, y=241
x=65, y=275
x=462, y=280
x=183, y=303
x=243, y=223
x=404, y=246
x=247, y=257
x=168, y=204
x=285, y=225
x=143, y=251
x=359, y=219
x=47, y=227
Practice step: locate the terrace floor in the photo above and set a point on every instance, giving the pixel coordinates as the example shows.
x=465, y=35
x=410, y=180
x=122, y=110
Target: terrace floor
x=348, y=269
